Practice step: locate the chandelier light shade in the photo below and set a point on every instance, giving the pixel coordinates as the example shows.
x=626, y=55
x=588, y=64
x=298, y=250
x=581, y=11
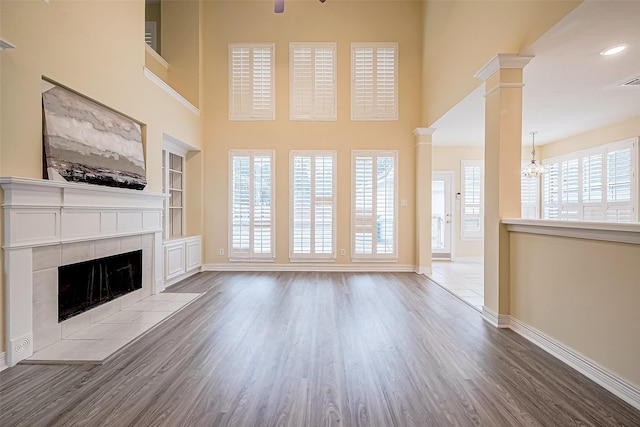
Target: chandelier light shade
x=533, y=169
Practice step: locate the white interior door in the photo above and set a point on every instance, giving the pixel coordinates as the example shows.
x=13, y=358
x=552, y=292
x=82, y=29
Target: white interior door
x=441, y=220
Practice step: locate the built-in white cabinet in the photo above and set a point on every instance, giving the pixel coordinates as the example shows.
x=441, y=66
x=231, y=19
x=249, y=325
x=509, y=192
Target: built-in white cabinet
x=182, y=257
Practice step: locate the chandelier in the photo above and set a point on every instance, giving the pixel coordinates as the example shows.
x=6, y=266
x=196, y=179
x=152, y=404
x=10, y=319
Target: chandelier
x=533, y=169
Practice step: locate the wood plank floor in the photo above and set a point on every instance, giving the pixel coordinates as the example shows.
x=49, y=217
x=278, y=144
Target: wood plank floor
x=315, y=349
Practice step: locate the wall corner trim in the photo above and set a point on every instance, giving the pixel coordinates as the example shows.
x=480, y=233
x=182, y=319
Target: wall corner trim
x=495, y=319
x=3, y=361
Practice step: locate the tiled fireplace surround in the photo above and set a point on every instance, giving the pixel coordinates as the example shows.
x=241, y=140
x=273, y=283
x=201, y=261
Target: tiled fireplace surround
x=49, y=224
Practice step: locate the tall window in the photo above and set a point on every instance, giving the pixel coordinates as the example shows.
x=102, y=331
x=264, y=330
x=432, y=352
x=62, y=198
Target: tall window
x=251, y=223
x=313, y=81
x=529, y=196
x=313, y=205
x=374, y=81
x=251, y=81
x=373, y=205
x=598, y=184
x=472, y=209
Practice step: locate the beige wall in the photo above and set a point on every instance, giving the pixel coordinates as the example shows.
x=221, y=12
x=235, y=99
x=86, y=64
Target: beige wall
x=341, y=22
x=582, y=293
x=449, y=159
x=77, y=45
x=462, y=36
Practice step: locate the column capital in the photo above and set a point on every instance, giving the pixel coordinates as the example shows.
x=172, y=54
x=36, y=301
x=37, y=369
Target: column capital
x=423, y=131
x=502, y=60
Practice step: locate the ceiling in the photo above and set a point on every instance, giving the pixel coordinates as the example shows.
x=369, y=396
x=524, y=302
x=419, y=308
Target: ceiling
x=569, y=87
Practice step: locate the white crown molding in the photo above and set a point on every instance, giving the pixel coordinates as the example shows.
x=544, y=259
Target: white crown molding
x=602, y=231
x=176, y=146
x=500, y=61
x=503, y=86
x=625, y=390
x=323, y=267
x=5, y=45
x=171, y=91
x=423, y=131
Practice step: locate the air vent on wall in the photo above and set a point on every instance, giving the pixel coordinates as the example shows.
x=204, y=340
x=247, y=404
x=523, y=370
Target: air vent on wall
x=633, y=82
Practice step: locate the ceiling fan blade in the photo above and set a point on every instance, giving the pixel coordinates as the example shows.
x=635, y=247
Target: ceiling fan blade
x=278, y=6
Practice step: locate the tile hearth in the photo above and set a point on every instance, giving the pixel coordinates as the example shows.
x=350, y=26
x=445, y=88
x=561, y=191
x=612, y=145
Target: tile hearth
x=100, y=340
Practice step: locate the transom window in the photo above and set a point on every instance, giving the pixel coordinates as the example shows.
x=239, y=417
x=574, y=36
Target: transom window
x=252, y=222
x=313, y=81
x=251, y=81
x=313, y=205
x=374, y=81
x=374, y=205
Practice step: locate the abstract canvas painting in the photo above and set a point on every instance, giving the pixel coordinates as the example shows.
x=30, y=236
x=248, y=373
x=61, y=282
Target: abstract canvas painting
x=86, y=142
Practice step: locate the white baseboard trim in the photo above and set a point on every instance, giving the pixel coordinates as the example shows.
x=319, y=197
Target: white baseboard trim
x=495, y=319
x=181, y=277
x=3, y=361
x=626, y=391
x=424, y=270
x=478, y=259
x=339, y=268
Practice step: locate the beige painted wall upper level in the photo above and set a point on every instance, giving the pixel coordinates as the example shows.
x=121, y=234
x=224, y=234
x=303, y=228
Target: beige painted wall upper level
x=339, y=22
x=462, y=36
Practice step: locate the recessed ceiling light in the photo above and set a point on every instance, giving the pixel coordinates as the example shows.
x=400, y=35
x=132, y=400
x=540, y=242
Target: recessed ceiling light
x=613, y=50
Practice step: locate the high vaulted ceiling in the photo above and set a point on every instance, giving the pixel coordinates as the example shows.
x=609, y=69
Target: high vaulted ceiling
x=569, y=87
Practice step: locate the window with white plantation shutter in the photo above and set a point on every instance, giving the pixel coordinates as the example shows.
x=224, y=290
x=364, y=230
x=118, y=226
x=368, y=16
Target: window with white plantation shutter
x=551, y=191
x=251, y=205
x=569, y=190
x=472, y=209
x=598, y=184
x=251, y=81
x=312, y=204
x=374, y=81
x=529, y=196
x=312, y=74
x=373, y=205
x=592, y=208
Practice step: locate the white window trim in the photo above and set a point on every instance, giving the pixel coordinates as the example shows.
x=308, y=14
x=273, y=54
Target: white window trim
x=393, y=257
x=296, y=257
x=234, y=116
x=251, y=256
x=467, y=235
x=314, y=116
x=373, y=117
x=604, y=150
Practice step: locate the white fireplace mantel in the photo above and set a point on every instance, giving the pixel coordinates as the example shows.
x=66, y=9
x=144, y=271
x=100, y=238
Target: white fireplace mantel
x=41, y=213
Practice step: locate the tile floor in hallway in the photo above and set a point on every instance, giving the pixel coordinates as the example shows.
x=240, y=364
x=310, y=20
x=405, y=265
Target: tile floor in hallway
x=463, y=277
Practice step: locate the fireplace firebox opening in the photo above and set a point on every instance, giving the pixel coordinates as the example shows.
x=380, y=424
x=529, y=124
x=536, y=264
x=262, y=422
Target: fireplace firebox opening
x=87, y=284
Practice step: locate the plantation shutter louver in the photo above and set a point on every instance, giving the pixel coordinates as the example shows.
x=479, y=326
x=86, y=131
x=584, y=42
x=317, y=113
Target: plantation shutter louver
x=619, y=207
x=551, y=192
x=374, y=93
x=312, y=68
x=592, y=177
x=374, y=234
x=570, y=189
x=251, y=216
x=472, y=200
x=251, y=91
x=312, y=205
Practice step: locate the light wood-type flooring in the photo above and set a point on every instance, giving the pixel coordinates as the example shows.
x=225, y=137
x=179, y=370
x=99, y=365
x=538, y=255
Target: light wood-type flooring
x=315, y=349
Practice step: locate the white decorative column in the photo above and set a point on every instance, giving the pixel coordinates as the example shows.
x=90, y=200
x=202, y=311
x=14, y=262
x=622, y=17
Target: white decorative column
x=424, y=177
x=503, y=147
